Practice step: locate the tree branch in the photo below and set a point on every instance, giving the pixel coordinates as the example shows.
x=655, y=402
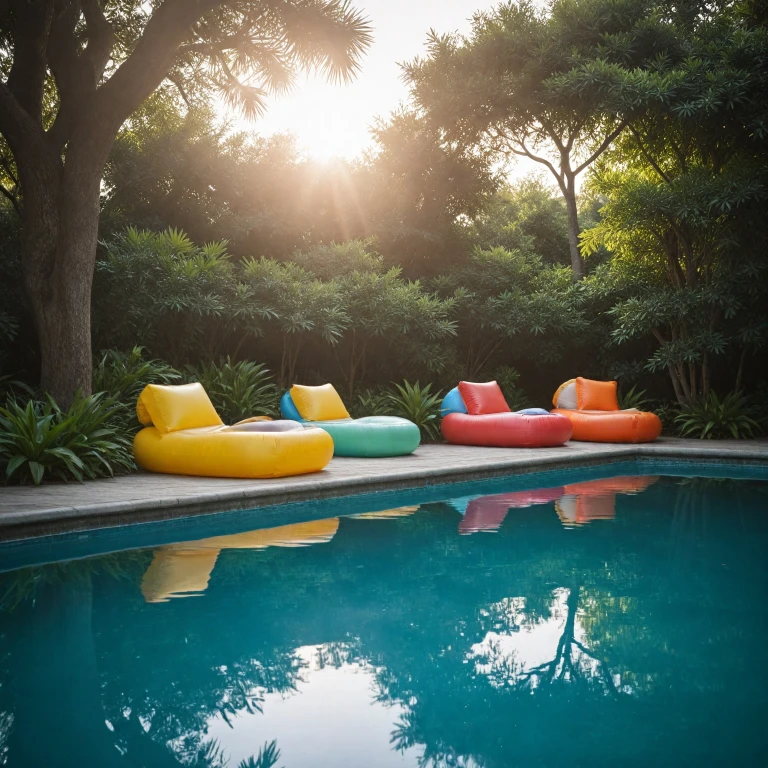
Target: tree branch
x=21, y=130
x=30, y=36
x=607, y=141
x=101, y=39
x=14, y=200
x=66, y=70
x=180, y=89
x=525, y=152
x=151, y=60
x=646, y=154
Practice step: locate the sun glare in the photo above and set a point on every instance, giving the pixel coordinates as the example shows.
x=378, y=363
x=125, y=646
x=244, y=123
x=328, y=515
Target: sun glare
x=334, y=120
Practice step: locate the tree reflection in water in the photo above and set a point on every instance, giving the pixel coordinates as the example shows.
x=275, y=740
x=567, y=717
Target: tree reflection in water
x=560, y=639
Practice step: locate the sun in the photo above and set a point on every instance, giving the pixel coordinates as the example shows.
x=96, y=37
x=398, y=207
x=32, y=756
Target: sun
x=328, y=120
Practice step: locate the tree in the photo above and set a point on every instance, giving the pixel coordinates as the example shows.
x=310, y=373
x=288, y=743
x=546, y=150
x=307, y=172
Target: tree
x=527, y=216
x=420, y=188
x=507, y=85
x=305, y=308
x=685, y=192
x=77, y=70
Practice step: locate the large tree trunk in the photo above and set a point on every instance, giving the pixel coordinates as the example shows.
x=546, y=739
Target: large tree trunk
x=60, y=167
x=61, y=234
x=577, y=264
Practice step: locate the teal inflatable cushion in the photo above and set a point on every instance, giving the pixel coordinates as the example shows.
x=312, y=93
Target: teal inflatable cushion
x=369, y=437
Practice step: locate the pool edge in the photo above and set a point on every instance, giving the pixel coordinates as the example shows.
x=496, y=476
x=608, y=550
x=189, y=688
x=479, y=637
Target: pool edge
x=20, y=525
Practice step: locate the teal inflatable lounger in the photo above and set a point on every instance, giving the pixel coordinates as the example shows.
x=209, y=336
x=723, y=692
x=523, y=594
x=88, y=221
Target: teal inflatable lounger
x=371, y=436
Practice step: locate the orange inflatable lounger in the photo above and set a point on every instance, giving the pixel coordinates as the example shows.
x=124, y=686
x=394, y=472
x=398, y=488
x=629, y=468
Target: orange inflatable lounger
x=593, y=409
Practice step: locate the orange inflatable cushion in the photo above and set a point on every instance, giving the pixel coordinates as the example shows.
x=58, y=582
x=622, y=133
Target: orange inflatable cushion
x=630, y=426
x=594, y=395
x=483, y=398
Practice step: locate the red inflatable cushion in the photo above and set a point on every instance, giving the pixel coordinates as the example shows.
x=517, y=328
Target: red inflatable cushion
x=483, y=398
x=594, y=395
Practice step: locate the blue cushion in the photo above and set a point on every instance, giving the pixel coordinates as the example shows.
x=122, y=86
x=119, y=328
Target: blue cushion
x=289, y=409
x=453, y=403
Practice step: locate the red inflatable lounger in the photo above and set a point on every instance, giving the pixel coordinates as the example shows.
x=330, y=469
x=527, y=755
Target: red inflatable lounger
x=533, y=428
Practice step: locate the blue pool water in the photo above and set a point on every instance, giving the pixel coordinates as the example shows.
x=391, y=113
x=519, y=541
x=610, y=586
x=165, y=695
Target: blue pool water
x=591, y=617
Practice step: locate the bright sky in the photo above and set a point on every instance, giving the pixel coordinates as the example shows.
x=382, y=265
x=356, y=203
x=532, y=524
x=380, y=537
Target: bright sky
x=333, y=120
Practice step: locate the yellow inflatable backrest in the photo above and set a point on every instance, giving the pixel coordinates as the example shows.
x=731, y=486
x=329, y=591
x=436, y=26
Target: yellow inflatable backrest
x=318, y=403
x=173, y=408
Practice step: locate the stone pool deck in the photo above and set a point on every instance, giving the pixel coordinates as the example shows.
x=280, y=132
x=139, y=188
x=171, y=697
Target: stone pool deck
x=142, y=497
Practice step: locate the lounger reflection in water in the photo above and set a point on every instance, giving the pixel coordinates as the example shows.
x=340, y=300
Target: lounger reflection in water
x=183, y=570
x=575, y=504
x=583, y=503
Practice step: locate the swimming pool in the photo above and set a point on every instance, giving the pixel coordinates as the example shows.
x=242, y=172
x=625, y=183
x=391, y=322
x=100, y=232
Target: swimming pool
x=603, y=616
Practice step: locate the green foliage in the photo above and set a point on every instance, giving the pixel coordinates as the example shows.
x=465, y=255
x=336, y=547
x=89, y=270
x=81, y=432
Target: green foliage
x=712, y=417
x=633, y=398
x=371, y=402
x=336, y=260
x=684, y=193
x=528, y=217
x=506, y=377
x=302, y=307
x=419, y=405
x=509, y=304
x=178, y=299
x=123, y=375
x=12, y=387
x=39, y=439
x=237, y=390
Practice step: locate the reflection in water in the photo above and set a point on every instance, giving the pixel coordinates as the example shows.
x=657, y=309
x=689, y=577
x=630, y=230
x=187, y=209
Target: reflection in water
x=487, y=513
x=581, y=503
x=183, y=570
x=386, y=514
x=576, y=504
x=329, y=696
x=401, y=643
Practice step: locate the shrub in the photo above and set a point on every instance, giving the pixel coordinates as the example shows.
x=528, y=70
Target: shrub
x=85, y=441
x=237, y=390
x=123, y=375
x=712, y=417
x=506, y=377
x=419, y=405
x=371, y=402
x=633, y=398
x=10, y=386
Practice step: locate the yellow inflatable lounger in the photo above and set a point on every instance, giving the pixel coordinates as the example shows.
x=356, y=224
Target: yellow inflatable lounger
x=185, y=436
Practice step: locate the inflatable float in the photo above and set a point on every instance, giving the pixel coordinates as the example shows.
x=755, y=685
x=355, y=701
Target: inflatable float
x=370, y=436
x=478, y=414
x=593, y=409
x=185, y=436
